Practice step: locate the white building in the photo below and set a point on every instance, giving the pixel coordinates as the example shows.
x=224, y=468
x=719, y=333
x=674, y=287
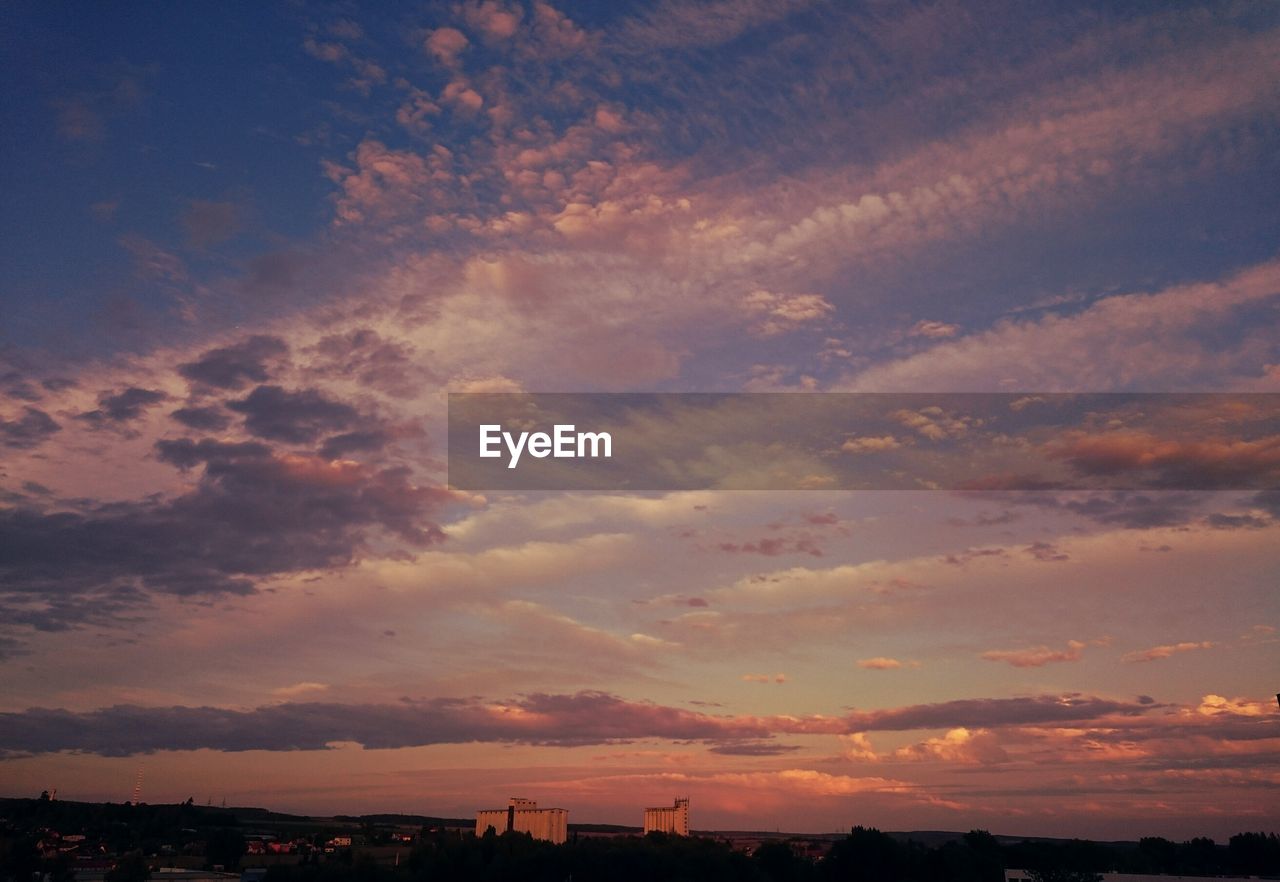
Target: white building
x=524, y=816
x=673, y=819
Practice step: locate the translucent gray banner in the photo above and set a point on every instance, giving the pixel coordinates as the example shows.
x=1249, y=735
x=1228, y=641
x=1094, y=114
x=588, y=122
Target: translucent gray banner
x=864, y=441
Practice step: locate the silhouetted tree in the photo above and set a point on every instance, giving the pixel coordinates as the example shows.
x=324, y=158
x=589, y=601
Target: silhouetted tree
x=1254, y=854
x=866, y=855
x=780, y=863
x=1160, y=854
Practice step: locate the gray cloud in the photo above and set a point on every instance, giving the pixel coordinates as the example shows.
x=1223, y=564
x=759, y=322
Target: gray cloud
x=252, y=514
x=363, y=441
x=563, y=720
x=377, y=362
x=29, y=430
x=989, y=712
x=205, y=419
x=234, y=367
x=753, y=748
x=1151, y=509
x=294, y=417
x=1116, y=508
x=123, y=407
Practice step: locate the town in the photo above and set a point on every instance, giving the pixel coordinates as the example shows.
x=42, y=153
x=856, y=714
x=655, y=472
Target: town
x=49, y=840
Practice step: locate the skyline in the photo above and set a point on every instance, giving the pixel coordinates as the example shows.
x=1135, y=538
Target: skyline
x=249, y=252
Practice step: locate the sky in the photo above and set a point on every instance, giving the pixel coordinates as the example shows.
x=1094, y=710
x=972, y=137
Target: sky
x=249, y=249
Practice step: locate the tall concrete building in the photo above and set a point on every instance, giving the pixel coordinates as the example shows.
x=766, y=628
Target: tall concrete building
x=668, y=820
x=524, y=816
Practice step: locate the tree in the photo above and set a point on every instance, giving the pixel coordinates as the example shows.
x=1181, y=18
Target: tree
x=867, y=855
x=781, y=864
x=1254, y=854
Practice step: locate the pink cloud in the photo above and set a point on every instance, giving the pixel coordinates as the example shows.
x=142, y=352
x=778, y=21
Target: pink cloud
x=959, y=745
x=772, y=313
x=445, y=44
x=1249, y=461
x=498, y=21
x=1036, y=656
x=1164, y=651
x=879, y=663
x=933, y=329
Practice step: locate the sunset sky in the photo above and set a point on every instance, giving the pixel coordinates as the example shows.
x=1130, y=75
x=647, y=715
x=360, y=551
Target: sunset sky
x=248, y=249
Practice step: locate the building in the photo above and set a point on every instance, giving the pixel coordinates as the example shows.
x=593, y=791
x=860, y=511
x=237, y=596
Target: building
x=668, y=820
x=524, y=816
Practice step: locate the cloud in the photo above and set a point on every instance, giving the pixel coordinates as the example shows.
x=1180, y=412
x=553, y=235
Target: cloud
x=367, y=73
x=870, y=444
x=497, y=21
x=295, y=417
x=1164, y=651
x=235, y=366
x=772, y=314
x=463, y=98
x=563, y=720
x=879, y=663
x=774, y=546
x=445, y=44
x=1132, y=510
x=29, y=430
x=415, y=112
x=987, y=713
x=363, y=441
x=204, y=419
x=153, y=263
x=669, y=25
x=1216, y=462
x=252, y=514
x=1036, y=656
x=959, y=745
x=932, y=329
x=391, y=366
x=123, y=407
x=296, y=689
x=753, y=748
x=764, y=678
x=935, y=423
x=1046, y=552
x=1268, y=500
x=1219, y=706
x=1147, y=341
x=1053, y=732
x=388, y=185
